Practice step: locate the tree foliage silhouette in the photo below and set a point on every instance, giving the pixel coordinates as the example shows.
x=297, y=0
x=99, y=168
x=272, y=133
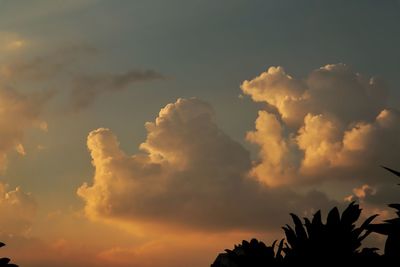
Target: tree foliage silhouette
x=390, y=228
x=315, y=242
x=312, y=242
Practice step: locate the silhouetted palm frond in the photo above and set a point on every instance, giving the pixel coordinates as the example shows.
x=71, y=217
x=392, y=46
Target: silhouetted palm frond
x=338, y=239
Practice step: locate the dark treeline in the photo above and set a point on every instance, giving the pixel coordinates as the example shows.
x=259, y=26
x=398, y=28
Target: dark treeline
x=312, y=242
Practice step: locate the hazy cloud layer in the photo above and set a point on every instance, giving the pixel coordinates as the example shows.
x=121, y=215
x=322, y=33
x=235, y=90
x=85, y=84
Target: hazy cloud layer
x=87, y=87
x=188, y=173
x=18, y=113
x=68, y=64
x=48, y=66
x=333, y=124
x=17, y=210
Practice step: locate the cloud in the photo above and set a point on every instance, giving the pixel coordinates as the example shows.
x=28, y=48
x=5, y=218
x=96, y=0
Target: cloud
x=333, y=124
x=18, y=113
x=37, y=252
x=67, y=64
x=185, y=250
x=17, y=209
x=46, y=67
x=360, y=193
x=88, y=87
x=11, y=42
x=188, y=173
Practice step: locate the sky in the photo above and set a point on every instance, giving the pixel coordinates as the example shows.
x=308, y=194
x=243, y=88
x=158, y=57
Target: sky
x=158, y=133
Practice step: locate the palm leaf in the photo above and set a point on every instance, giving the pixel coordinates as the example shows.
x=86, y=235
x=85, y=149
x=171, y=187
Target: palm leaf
x=279, y=252
x=317, y=219
x=392, y=171
x=290, y=235
x=350, y=215
x=333, y=218
x=300, y=231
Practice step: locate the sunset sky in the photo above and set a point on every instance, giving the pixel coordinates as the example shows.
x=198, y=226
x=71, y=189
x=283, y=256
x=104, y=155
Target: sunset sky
x=152, y=133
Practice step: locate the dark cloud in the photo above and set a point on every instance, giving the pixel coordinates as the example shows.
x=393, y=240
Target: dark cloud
x=87, y=87
x=68, y=63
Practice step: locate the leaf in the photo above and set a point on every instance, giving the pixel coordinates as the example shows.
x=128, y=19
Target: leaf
x=317, y=219
x=394, y=221
x=350, y=215
x=300, y=231
x=333, y=218
x=280, y=247
x=392, y=171
x=397, y=207
x=290, y=236
x=309, y=228
x=383, y=229
x=361, y=238
x=368, y=221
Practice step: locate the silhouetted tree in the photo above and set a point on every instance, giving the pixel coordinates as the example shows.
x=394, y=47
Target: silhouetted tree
x=5, y=261
x=390, y=228
x=312, y=243
x=336, y=241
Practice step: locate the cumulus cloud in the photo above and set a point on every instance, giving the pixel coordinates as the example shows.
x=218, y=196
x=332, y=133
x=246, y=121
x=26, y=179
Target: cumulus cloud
x=87, y=87
x=17, y=210
x=335, y=123
x=18, y=113
x=188, y=173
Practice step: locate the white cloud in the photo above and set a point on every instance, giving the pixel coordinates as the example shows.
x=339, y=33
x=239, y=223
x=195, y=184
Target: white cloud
x=188, y=173
x=333, y=124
